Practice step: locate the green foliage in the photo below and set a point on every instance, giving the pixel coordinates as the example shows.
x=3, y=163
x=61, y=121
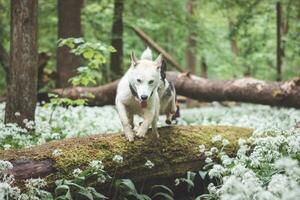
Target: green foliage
x=125, y=189
x=94, y=53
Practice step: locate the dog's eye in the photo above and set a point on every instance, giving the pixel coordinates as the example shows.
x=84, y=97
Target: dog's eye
x=150, y=82
x=139, y=80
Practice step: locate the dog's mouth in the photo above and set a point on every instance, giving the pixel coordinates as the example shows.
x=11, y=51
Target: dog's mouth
x=144, y=103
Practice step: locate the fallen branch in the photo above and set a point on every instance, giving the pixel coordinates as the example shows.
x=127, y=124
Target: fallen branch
x=286, y=94
x=158, y=48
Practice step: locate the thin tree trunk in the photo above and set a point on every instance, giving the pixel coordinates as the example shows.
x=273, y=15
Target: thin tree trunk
x=204, y=69
x=69, y=25
x=116, y=58
x=191, y=43
x=279, y=42
x=233, y=39
x=23, y=70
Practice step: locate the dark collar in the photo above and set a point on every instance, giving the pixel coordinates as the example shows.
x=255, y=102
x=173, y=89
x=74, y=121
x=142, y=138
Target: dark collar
x=133, y=92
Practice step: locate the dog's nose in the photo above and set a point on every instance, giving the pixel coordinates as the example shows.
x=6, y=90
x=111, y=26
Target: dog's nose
x=144, y=97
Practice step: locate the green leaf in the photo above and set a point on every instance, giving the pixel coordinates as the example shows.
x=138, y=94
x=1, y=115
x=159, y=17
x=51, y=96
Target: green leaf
x=61, y=189
x=161, y=195
x=88, y=54
x=84, y=194
x=161, y=188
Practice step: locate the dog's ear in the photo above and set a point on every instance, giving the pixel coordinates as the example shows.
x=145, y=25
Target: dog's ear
x=134, y=60
x=163, y=69
x=158, y=61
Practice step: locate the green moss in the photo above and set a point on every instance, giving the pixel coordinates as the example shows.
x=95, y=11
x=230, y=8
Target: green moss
x=174, y=152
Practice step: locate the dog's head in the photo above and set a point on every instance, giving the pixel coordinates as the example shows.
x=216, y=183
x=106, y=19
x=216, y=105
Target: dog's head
x=145, y=75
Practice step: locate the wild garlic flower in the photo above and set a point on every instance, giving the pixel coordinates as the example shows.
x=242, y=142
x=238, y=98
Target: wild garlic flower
x=118, y=159
x=5, y=165
x=17, y=114
x=217, y=138
x=214, y=150
x=149, y=164
x=57, y=152
x=216, y=171
x=208, y=160
x=225, y=142
x=101, y=178
x=96, y=164
x=77, y=172
x=35, y=183
x=202, y=148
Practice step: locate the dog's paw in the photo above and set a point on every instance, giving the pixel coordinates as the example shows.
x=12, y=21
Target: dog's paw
x=129, y=136
x=168, y=121
x=140, y=133
x=155, y=132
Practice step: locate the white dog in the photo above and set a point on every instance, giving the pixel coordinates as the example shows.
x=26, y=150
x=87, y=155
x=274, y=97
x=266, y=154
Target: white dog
x=137, y=93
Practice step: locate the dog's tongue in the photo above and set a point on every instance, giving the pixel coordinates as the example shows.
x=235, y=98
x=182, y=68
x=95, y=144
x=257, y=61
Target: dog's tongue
x=144, y=104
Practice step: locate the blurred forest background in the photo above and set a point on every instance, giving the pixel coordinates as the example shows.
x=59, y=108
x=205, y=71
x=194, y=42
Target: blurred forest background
x=220, y=39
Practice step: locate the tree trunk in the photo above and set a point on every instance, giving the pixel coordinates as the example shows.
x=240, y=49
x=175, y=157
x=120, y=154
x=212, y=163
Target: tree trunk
x=116, y=58
x=22, y=82
x=191, y=43
x=286, y=94
x=233, y=36
x=204, y=68
x=174, y=153
x=68, y=26
x=279, y=42
x=4, y=58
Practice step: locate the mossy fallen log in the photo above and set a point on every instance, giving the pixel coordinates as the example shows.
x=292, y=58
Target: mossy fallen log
x=174, y=153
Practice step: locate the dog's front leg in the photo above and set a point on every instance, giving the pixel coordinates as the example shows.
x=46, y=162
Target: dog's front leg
x=142, y=129
x=126, y=122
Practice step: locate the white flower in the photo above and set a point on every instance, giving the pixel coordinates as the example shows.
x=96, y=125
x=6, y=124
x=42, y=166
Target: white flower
x=226, y=160
x=101, y=178
x=57, y=152
x=96, y=164
x=35, y=183
x=241, y=141
x=77, y=172
x=177, y=181
x=202, y=148
x=5, y=165
x=208, y=160
x=17, y=114
x=214, y=150
x=225, y=142
x=208, y=153
x=149, y=164
x=211, y=188
x=118, y=159
x=216, y=171
x=216, y=138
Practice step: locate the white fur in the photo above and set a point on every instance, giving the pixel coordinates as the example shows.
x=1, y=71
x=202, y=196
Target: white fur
x=147, y=54
x=139, y=75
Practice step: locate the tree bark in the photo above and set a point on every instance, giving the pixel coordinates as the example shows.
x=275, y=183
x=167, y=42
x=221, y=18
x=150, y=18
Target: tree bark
x=285, y=94
x=22, y=82
x=191, y=40
x=116, y=58
x=69, y=25
x=174, y=153
x=278, y=41
x=4, y=58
